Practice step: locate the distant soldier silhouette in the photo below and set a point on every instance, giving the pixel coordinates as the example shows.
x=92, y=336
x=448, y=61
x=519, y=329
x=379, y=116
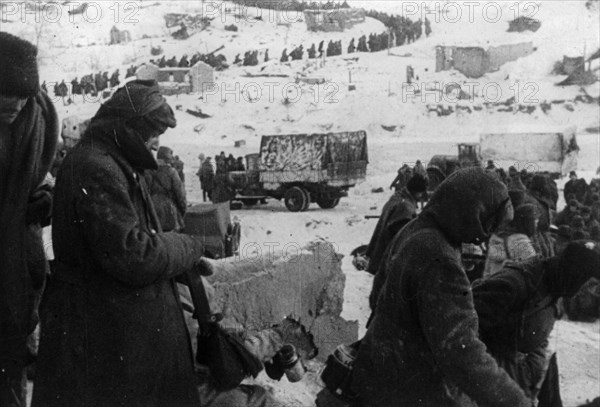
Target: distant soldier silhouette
x=172, y=63
x=195, y=59
x=130, y=72
x=372, y=43
x=351, y=47
x=418, y=27
x=183, y=62
x=362, y=44
x=246, y=58
x=330, y=49
x=114, y=79
x=75, y=87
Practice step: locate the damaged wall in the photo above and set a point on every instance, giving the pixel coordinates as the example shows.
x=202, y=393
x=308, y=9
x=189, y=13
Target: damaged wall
x=502, y=54
x=175, y=80
x=470, y=61
x=307, y=285
x=474, y=62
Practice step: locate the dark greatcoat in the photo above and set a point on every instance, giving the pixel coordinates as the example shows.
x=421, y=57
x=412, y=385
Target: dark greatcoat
x=207, y=176
x=501, y=301
x=113, y=330
x=27, y=149
x=168, y=195
x=400, y=209
x=517, y=310
x=422, y=347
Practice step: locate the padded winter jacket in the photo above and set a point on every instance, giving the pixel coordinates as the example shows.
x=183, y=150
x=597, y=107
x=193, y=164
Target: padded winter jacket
x=422, y=347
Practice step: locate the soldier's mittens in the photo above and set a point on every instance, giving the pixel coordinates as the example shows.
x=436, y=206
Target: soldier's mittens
x=204, y=267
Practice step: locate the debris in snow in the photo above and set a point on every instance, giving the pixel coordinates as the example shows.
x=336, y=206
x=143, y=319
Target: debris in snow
x=352, y=220
x=198, y=113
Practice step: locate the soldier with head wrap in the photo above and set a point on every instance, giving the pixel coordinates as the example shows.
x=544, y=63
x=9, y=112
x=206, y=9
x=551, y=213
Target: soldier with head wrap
x=122, y=339
x=422, y=346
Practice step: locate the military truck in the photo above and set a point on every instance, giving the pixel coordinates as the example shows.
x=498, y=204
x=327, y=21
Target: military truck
x=301, y=169
x=440, y=166
x=553, y=151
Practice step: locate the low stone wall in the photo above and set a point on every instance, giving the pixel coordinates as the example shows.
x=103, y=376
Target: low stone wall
x=306, y=284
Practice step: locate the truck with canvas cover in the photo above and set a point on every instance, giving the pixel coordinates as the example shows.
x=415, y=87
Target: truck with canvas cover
x=303, y=168
x=552, y=151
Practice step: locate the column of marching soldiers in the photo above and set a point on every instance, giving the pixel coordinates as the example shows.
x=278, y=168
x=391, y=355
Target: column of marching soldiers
x=401, y=31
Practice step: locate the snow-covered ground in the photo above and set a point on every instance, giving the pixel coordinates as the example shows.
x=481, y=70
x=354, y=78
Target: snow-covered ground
x=244, y=108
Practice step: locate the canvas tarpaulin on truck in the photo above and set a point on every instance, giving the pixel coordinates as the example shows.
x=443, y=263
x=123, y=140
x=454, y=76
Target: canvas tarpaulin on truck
x=555, y=152
x=313, y=157
x=311, y=151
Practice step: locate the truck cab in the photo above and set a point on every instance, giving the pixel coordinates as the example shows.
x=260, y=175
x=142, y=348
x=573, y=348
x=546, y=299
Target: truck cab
x=469, y=155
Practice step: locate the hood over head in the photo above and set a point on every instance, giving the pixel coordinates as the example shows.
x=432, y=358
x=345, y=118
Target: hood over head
x=134, y=114
x=469, y=206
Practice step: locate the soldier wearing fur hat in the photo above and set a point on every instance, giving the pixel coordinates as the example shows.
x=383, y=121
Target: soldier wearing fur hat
x=29, y=132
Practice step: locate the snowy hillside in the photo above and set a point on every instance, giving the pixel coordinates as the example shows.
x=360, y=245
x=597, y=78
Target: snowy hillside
x=400, y=121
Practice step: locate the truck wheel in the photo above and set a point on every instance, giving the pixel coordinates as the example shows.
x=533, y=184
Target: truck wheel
x=295, y=199
x=328, y=203
x=307, y=195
